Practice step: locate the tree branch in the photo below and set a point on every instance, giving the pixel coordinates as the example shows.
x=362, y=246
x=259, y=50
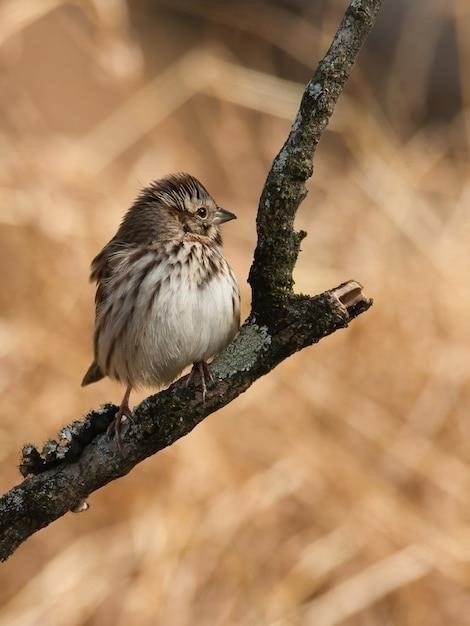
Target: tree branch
x=278, y=243
x=65, y=472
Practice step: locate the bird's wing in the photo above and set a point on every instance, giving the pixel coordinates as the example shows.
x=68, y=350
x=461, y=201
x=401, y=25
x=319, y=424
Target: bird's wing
x=103, y=265
x=101, y=269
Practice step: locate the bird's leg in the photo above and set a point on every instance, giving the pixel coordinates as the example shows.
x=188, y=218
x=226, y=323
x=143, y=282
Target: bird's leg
x=207, y=372
x=202, y=376
x=202, y=369
x=124, y=410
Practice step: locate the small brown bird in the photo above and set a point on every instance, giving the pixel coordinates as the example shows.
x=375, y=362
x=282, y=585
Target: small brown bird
x=166, y=296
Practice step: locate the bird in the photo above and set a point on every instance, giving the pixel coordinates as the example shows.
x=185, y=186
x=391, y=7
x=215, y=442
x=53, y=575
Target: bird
x=166, y=296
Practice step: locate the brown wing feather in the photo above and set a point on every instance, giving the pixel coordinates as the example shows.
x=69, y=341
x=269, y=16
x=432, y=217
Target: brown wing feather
x=101, y=268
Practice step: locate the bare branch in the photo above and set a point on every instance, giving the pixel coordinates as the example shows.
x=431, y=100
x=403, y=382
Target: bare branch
x=278, y=244
x=84, y=459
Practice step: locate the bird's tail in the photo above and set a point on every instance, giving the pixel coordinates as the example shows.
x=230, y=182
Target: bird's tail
x=93, y=374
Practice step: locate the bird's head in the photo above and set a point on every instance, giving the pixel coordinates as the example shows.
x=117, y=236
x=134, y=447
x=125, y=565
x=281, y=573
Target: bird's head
x=171, y=208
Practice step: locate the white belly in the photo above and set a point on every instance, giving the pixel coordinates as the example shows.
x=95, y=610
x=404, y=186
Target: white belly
x=171, y=324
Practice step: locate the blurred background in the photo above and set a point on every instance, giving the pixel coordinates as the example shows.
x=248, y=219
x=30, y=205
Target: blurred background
x=336, y=490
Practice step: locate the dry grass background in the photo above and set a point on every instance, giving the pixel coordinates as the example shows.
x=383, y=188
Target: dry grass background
x=337, y=489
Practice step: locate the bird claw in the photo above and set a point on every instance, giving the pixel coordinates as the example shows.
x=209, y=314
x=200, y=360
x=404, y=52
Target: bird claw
x=202, y=369
x=115, y=428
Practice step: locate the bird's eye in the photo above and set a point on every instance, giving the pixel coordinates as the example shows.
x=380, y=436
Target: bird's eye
x=202, y=212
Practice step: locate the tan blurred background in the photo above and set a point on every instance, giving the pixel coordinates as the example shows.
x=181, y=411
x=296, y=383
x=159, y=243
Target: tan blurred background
x=337, y=489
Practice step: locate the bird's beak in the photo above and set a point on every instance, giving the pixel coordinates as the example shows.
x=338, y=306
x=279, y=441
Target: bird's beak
x=221, y=216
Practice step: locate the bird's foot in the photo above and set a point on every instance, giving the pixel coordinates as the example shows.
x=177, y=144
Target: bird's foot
x=115, y=428
x=203, y=371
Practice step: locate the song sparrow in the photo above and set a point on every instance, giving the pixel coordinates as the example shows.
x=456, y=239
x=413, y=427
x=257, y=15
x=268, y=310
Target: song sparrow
x=166, y=296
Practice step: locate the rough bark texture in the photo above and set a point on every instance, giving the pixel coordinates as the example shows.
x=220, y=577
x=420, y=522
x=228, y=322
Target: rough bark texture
x=84, y=458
